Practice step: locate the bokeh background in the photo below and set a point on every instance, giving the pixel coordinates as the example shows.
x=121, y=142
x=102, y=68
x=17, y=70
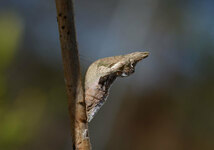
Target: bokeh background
x=168, y=104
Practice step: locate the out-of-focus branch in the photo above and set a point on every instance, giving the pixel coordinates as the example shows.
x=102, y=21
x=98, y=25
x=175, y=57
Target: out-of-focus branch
x=76, y=102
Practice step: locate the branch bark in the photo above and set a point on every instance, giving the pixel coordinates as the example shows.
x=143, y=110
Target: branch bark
x=70, y=56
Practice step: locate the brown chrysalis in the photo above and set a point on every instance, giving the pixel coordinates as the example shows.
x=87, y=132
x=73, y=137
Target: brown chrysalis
x=102, y=73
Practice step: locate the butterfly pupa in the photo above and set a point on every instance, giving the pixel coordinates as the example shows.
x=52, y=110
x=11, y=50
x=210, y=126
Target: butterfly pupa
x=102, y=73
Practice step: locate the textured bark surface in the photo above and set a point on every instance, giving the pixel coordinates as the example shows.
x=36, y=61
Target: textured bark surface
x=102, y=73
x=76, y=102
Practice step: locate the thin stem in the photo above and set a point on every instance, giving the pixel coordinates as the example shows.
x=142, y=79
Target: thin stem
x=69, y=49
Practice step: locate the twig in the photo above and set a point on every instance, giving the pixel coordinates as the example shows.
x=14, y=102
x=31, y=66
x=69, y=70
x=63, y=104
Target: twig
x=76, y=102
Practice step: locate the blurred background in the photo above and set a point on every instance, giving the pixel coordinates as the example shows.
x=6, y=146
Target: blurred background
x=168, y=104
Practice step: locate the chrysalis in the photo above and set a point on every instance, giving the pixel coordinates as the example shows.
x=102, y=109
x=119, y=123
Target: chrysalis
x=101, y=74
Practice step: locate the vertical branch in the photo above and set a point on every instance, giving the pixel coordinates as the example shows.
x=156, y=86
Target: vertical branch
x=76, y=102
